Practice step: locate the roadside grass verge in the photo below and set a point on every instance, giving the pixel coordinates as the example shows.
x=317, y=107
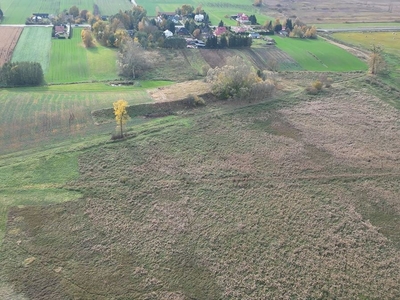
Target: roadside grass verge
x=34, y=38
x=319, y=55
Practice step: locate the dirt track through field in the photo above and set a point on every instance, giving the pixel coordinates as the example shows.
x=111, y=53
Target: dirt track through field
x=9, y=38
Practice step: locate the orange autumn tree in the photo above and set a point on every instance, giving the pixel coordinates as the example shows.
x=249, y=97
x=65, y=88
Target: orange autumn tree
x=121, y=116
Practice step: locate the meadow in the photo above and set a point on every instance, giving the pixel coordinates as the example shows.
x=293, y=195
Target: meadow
x=389, y=41
x=16, y=11
x=176, y=212
x=319, y=55
x=34, y=38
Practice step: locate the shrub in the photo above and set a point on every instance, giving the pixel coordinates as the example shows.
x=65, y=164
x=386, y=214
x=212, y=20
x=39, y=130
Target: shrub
x=237, y=80
x=317, y=85
x=195, y=100
x=21, y=74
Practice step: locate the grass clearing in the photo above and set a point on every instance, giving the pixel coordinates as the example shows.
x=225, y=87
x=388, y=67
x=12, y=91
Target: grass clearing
x=34, y=38
x=319, y=55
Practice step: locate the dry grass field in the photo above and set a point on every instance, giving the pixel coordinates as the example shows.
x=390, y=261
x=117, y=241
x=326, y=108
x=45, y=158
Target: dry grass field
x=296, y=197
x=9, y=38
x=340, y=11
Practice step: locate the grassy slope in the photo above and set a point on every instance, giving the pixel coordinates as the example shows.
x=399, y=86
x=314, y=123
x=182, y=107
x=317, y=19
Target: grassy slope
x=16, y=11
x=177, y=212
x=319, y=55
x=34, y=38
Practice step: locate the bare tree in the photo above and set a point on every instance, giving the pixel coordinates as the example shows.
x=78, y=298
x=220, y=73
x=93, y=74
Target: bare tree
x=132, y=61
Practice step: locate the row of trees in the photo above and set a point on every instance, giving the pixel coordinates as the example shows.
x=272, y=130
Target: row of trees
x=294, y=28
x=21, y=74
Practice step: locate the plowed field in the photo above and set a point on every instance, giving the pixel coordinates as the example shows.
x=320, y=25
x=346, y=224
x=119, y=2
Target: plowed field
x=9, y=37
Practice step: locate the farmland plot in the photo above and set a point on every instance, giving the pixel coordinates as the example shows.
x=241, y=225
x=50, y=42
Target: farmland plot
x=33, y=38
x=9, y=37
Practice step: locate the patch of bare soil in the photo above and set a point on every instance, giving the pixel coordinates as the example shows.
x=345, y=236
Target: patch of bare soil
x=179, y=90
x=316, y=11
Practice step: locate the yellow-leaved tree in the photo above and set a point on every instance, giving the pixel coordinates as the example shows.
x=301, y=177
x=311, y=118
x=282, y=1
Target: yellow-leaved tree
x=121, y=115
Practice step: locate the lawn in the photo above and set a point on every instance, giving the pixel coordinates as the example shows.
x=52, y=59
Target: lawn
x=178, y=212
x=34, y=38
x=319, y=55
x=16, y=11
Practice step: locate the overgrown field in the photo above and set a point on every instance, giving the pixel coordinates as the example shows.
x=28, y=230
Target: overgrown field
x=9, y=38
x=70, y=61
x=295, y=197
x=16, y=11
x=32, y=39
x=319, y=55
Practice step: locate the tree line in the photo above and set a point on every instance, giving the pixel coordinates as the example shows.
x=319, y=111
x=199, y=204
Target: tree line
x=23, y=73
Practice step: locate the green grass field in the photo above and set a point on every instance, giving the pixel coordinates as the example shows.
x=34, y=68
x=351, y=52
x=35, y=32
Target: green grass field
x=70, y=61
x=34, y=38
x=16, y=11
x=319, y=55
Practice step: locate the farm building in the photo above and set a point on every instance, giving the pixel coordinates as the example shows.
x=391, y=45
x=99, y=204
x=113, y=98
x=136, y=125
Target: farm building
x=61, y=32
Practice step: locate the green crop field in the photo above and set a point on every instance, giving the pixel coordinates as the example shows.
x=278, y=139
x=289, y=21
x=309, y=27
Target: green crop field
x=70, y=61
x=319, y=55
x=16, y=11
x=34, y=38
